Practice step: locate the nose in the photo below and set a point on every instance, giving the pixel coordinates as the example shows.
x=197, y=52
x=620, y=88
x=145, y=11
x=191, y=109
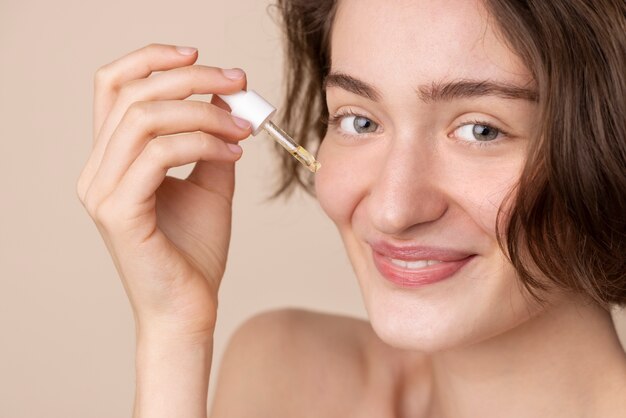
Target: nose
x=407, y=192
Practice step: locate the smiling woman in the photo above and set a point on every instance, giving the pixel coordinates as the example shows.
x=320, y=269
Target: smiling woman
x=474, y=162
x=573, y=55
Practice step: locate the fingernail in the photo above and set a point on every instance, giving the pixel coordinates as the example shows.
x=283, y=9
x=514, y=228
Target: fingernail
x=186, y=50
x=242, y=123
x=234, y=148
x=233, y=73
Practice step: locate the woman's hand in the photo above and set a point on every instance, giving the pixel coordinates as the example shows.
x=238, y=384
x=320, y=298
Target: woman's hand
x=168, y=238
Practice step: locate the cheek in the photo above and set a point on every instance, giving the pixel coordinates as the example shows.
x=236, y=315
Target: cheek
x=340, y=184
x=482, y=189
x=477, y=185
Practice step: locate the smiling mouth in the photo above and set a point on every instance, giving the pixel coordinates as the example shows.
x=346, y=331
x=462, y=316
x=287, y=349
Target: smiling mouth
x=413, y=274
x=415, y=266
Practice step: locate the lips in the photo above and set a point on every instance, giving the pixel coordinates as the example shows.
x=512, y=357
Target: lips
x=415, y=266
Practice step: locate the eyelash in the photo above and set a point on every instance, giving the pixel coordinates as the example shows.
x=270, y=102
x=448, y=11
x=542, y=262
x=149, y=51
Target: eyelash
x=335, y=120
x=480, y=144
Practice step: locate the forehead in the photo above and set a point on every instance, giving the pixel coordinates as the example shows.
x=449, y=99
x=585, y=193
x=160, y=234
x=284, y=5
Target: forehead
x=398, y=42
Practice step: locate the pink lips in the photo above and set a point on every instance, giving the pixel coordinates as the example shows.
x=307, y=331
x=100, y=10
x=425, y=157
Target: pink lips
x=451, y=261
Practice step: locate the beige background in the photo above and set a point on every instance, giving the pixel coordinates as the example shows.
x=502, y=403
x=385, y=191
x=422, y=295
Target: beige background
x=67, y=342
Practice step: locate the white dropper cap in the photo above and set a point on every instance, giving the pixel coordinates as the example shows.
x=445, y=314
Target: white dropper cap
x=249, y=105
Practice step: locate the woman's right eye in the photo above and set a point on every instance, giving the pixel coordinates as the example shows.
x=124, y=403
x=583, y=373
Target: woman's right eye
x=356, y=125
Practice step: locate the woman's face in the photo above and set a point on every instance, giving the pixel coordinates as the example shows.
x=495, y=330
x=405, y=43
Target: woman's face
x=431, y=116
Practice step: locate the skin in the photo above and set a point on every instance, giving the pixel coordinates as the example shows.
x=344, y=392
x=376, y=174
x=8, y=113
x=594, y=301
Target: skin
x=413, y=179
x=472, y=345
x=421, y=180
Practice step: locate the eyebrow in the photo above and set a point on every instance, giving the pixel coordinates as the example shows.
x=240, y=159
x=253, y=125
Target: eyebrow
x=351, y=84
x=436, y=91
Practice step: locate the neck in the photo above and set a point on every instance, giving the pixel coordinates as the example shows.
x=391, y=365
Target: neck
x=559, y=363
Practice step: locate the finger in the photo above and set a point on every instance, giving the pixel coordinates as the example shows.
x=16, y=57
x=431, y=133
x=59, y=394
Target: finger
x=146, y=173
x=147, y=120
x=204, y=172
x=182, y=82
x=134, y=65
x=178, y=83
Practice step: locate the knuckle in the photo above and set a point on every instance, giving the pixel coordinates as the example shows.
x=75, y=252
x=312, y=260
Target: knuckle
x=156, y=150
x=205, y=143
x=193, y=73
x=138, y=111
x=104, y=214
x=106, y=79
x=102, y=76
x=91, y=204
x=199, y=75
x=155, y=46
x=127, y=90
x=214, y=113
x=155, y=50
x=149, y=49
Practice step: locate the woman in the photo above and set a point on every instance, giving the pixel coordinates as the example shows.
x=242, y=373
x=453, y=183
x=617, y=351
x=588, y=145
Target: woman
x=473, y=160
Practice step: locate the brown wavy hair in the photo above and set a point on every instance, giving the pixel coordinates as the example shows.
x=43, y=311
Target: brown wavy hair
x=568, y=215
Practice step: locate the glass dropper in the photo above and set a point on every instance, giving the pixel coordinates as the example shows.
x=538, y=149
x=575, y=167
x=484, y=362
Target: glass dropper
x=249, y=105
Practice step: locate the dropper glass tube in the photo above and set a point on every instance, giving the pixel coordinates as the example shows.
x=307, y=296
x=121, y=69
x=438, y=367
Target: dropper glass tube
x=299, y=153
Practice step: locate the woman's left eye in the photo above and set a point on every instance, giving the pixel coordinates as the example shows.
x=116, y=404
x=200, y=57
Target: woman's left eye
x=355, y=124
x=473, y=132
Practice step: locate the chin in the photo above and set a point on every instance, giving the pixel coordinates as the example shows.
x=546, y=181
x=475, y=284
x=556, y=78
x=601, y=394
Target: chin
x=452, y=314
x=429, y=324
x=418, y=330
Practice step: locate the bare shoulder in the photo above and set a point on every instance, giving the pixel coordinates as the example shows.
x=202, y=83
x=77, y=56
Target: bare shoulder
x=293, y=362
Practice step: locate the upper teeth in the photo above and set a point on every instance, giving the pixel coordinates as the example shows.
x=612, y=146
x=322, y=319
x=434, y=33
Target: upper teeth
x=414, y=264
